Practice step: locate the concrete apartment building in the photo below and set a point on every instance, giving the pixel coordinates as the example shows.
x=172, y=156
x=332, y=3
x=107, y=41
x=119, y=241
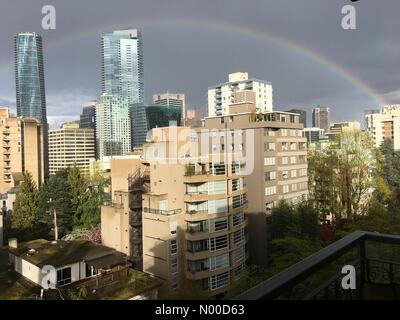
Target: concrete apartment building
x=202, y=216
x=384, y=125
x=22, y=149
x=191, y=217
x=70, y=145
x=274, y=143
x=337, y=128
x=221, y=96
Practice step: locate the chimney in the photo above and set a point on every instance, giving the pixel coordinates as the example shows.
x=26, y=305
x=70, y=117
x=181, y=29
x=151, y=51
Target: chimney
x=13, y=243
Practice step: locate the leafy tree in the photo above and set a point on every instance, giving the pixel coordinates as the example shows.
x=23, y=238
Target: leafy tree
x=25, y=213
x=388, y=175
x=341, y=176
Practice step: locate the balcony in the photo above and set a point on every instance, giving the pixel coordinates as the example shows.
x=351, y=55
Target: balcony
x=113, y=204
x=319, y=276
x=162, y=212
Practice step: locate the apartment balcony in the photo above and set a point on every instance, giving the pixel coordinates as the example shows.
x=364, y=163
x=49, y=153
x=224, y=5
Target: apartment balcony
x=205, y=273
x=6, y=138
x=113, y=204
x=6, y=151
x=201, y=235
x=6, y=145
x=319, y=276
x=202, y=196
x=206, y=253
x=162, y=212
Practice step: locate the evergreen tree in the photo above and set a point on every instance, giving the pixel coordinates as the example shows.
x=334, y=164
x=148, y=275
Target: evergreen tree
x=25, y=214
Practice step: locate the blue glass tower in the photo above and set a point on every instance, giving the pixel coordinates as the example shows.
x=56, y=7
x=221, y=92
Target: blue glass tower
x=29, y=77
x=122, y=64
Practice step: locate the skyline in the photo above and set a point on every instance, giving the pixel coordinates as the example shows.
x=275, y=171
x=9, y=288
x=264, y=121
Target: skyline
x=304, y=76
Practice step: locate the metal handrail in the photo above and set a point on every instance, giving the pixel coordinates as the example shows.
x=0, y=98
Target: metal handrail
x=280, y=283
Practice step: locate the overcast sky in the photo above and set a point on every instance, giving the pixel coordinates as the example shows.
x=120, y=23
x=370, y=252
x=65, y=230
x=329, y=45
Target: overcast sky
x=189, y=45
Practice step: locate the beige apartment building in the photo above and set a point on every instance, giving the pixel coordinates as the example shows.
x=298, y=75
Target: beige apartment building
x=190, y=212
x=71, y=145
x=22, y=148
x=198, y=203
x=384, y=125
x=276, y=159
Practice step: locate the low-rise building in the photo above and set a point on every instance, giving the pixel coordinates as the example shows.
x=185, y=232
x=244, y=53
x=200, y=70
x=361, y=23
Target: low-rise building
x=68, y=266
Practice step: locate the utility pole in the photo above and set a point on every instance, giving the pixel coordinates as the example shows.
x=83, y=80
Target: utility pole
x=55, y=225
x=54, y=221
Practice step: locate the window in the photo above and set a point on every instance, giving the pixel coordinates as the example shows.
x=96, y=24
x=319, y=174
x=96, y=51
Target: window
x=238, y=218
x=174, y=266
x=219, y=205
x=270, y=161
x=269, y=191
x=64, y=276
x=286, y=188
x=174, y=246
x=218, y=224
x=219, y=262
x=218, y=280
x=285, y=160
x=294, y=187
x=239, y=254
x=237, y=184
x=218, y=243
x=269, y=176
x=293, y=173
x=269, y=146
x=238, y=236
x=285, y=174
x=284, y=132
x=239, y=201
x=303, y=172
x=285, y=146
x=293, y=160
x=293, y=146
x=269, y=132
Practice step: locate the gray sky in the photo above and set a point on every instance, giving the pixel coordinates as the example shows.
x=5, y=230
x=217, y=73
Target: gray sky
x=189, y=45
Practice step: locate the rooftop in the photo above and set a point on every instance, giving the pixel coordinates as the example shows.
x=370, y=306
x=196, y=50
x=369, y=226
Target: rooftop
x=42, y=252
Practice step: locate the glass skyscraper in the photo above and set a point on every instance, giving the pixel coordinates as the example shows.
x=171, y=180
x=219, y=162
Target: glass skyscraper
x=113, y=128
x=29, y=77
x=122, y=64
x=144, y=118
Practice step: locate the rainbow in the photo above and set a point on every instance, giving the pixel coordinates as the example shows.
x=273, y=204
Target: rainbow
x=227, y=27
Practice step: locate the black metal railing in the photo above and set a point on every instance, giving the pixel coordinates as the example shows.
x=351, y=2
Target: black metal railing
x=372, y=271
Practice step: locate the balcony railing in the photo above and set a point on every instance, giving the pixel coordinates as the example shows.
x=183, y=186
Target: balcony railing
x=113, y=204
x=162, y=212
x=373, y=274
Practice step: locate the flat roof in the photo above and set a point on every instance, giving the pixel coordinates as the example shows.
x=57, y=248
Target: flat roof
x=240, y=81
x=42, y=252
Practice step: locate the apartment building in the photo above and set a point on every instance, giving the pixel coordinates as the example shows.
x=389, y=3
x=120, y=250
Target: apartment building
x=384, y=125
x=276, y=161
x=221, y=96
x=22, y=149
x=71, y=145
x=191, y=213
x=336, y=128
